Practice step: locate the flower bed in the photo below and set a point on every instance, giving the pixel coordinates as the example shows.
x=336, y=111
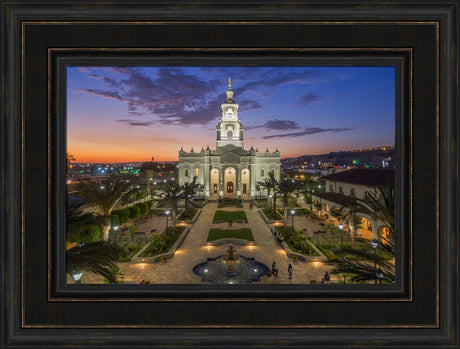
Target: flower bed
x=296, y=241
x=162, y=243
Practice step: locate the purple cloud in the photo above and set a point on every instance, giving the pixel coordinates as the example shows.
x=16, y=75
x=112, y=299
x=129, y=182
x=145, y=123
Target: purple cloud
x=307, y=99
x=281, y=125
x=131, y=122
x=307, y=131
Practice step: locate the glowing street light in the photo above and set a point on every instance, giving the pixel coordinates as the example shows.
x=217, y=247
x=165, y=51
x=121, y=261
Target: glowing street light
x=341, y=234
x=167, y=215
x=77, y=277
x=292, y=214
x=374, y=245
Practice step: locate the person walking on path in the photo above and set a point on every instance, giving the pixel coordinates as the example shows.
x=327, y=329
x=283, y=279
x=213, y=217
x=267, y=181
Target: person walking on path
x=290, y=271
x=274, y=269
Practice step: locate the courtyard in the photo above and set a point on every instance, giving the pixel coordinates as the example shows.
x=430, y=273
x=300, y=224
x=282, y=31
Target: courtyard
x=196, y=249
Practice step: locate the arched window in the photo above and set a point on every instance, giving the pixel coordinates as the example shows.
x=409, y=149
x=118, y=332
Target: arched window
x=229, y=134
x=367, y=196
x=186, y=172
x=197, y=172
x=262, y=173
x=340, y=190
x=353, y=192
x=331, y=187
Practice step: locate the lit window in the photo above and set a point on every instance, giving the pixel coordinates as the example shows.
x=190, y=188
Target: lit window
x=197, y=172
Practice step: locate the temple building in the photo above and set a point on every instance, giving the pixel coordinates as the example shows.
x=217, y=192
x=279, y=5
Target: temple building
x=229, y=170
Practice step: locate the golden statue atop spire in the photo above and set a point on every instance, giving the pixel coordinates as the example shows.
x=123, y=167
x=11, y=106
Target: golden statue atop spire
x=229, y=92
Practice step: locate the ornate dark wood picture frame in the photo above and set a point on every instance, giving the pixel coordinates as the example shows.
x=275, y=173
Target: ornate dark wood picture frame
x=41, y=310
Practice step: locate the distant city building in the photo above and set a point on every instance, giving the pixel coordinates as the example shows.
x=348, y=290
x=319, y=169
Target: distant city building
x=344, y=188
x=229, y=170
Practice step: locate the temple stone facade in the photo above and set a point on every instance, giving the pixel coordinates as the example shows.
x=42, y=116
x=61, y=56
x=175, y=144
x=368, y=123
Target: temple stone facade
x=229, y=170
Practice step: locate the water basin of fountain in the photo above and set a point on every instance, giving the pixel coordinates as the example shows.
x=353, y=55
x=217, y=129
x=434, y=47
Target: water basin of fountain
x=230, y=269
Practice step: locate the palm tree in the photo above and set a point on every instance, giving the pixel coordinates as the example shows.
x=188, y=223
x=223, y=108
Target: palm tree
x=273, y=183
x=380, y=204
x=336, y=212
x=170, y=196
x=268, y=184
x=354, y=223
x=149, y=173
x=285, y=187
x=77, y=220
x=96, y=257
x=367, y=265
x=308, y=183
x=188, y=190
x=105, y=196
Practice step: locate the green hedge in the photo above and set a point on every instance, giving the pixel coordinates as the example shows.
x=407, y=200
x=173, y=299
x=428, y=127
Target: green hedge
x=134, y=212
x=114, y=220
x=123, y=215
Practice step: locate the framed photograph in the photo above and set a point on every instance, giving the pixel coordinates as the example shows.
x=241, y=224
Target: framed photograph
x=239, y=175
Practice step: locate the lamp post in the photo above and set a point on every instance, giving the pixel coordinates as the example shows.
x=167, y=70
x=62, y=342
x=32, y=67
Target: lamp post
x=292, y=214
x=77, y=277
x=374, y=245
x=167, y=216
x=341, y=234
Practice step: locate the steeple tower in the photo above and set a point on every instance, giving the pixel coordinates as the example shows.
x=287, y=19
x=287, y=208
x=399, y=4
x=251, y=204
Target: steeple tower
x=229, y=129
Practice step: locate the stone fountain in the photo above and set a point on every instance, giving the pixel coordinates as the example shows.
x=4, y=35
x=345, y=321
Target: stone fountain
x=230, y=261
x=230, y=268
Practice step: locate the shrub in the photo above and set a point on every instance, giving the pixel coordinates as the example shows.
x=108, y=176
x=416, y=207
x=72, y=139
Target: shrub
x=162, y=243
x=143, y=208
x=331, y=228
x=132, y=229
x=123, y=215
x=296, y=241
x=88, y=234
x=114, y=220
x=134, y=212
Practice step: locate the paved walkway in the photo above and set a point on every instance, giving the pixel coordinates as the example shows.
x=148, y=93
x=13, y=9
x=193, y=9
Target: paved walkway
x=194, y=250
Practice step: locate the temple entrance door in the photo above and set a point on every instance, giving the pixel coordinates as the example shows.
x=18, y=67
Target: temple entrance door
x=230, y=180
x=214, y=179
x=230, y=187
x=245, y=180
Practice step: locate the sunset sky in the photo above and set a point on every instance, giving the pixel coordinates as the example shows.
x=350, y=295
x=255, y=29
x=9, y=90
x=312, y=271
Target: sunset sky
x=122, y=114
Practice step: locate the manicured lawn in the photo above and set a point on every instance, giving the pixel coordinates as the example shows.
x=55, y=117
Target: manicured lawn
x=244, y=233
x=225, y=216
